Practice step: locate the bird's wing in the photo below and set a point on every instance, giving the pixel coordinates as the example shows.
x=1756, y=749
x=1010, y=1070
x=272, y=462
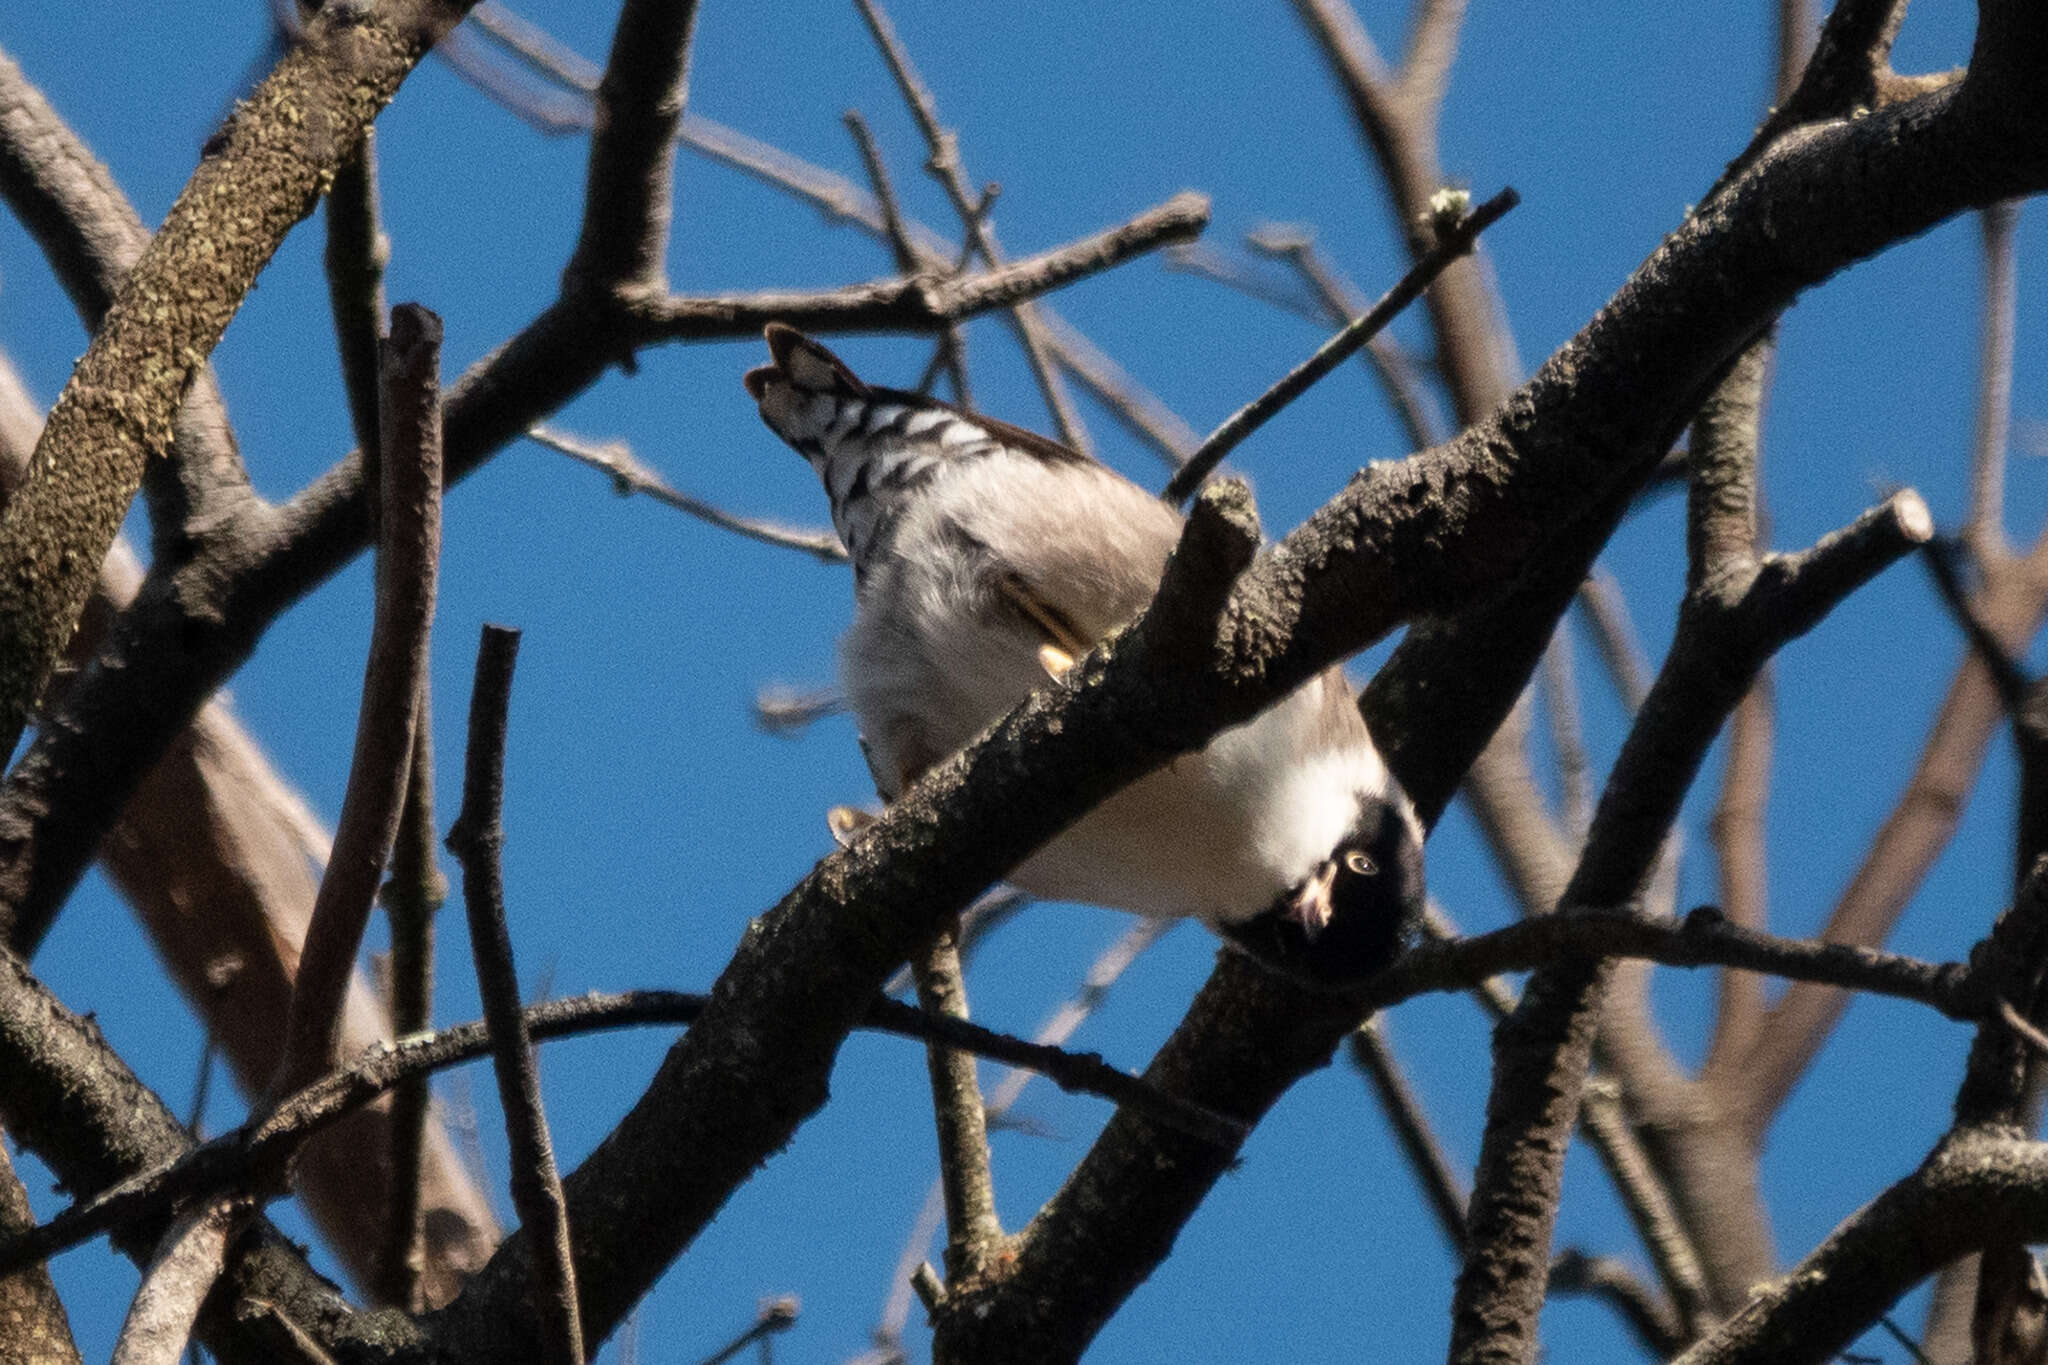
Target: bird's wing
x=870, y=446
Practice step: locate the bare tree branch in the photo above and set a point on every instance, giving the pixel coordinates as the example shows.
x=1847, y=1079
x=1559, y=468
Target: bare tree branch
x=1738, y=833
x=73, y=1102
x=629, y=476
x=946, y=168
x=238, y=1159
x=1103, y=974
x=623, y=244
x=265, y=175
x=1986, y=526
x=178, y=1278
x=1341, y=301
x=1574, y=1272
x=776, y=1316
x=1397, y=118
x=1455, y=239
x=409, y=547
x=952, y=352
x=415, y=892
x=92, y=238
x=33, y=1327
x=1737, y=611
x=1418, y=1141
x=921, y=302
x=478, y=840
x=357, y=252
x=974, y=1234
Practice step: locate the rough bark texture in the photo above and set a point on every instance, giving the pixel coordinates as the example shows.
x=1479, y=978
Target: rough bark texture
x=263, y=173
x=33, y=1327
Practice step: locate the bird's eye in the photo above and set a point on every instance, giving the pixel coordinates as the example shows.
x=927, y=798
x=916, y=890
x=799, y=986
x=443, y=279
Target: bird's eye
x=1360, y=864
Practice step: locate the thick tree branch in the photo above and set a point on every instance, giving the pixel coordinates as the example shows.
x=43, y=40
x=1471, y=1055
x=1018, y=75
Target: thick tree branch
x=33, y=1327
x=120, y=406
x=176, y=1281
x=92, y=238
x=235, y=1160
x=1543, y=458
x=1975, y=1190
x=214, y=824
x=75, y=1104
x=1738, y=610
x=640, y=103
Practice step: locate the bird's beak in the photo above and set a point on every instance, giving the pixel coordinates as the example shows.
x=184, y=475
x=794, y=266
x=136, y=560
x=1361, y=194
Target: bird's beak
x=1311, y=907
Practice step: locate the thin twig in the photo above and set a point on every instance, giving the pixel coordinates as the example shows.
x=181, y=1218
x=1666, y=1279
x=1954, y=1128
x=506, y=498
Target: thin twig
x=539, y=49
x=921, y=303
x=946, y=168
x=357, y=253
x=477, y=840
x=786, y=711
x=1165, y=431
x=1567, y=734
x=1419, y=1142
x=1614, y=636
x=841, y=201
x=2007, y=676
x=202, y=1089
x=408, y=548
x=1911, y=1346
x=1603, y=1278
x=1205, y=261
x=1454, y=241
x=1103, y=973
x=974, y=1232
x=1397, y=371
x=952, y=349
x=775, y=1316
x=236, y=1159
x=1737, y=830
x=414, y=893
x=629, y=476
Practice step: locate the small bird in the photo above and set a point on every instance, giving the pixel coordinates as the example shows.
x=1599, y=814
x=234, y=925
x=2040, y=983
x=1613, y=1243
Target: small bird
x=986, y=559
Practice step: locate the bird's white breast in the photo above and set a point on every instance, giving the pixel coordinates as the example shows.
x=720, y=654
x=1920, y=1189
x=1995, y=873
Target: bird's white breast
x=934, y=656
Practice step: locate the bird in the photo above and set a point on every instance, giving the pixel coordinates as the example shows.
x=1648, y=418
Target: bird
x=986, y=560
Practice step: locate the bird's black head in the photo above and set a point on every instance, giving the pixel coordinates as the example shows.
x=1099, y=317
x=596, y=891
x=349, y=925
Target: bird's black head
x=1351, y=916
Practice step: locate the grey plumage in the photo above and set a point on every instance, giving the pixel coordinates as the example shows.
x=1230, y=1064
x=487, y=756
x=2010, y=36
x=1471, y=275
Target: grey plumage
x=982, y=551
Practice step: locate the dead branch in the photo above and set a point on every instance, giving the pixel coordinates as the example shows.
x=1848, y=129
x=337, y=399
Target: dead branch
x=974, y=1233
x=629, y=476
x=478, y=840
x=1455, y=239
x=407, y=554
x=947, y=169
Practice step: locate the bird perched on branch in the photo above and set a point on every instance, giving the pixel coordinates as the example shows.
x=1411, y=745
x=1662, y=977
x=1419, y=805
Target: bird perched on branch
x=986, y=559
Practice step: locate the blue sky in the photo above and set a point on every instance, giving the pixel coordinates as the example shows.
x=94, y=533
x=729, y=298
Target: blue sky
x=647, y=816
